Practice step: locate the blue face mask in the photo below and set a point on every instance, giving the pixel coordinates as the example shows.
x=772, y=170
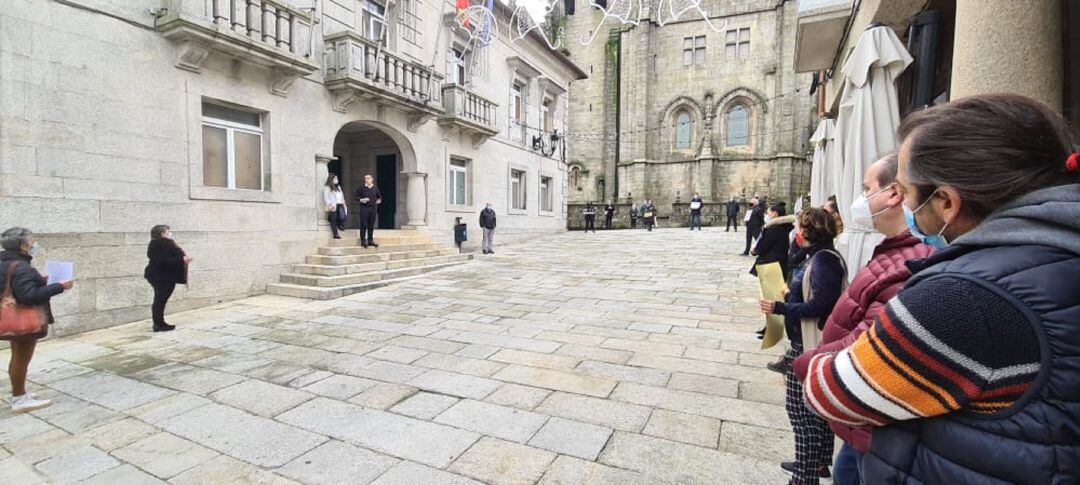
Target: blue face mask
x=937, y=240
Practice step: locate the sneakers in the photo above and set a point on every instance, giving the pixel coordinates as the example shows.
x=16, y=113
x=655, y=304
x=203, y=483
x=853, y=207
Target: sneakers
x=28, y=402
x=780, y=366
x=789, y=467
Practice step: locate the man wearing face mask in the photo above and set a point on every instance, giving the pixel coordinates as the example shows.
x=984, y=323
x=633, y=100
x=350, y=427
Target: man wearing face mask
x=878, y=207
x=487, y=223
x=971, y=374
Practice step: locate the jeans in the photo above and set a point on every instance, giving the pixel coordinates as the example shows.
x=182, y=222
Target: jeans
x=489, y=237
x=846, y=468
x=695, y=221
x=590, y=223
x=162, y=292
x=367, y=224
x=337, y=219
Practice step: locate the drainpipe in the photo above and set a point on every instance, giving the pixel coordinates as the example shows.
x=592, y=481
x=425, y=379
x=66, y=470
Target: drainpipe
x=618, y=111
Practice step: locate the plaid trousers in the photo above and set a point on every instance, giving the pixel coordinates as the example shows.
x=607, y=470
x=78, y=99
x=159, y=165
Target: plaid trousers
x=813, y=438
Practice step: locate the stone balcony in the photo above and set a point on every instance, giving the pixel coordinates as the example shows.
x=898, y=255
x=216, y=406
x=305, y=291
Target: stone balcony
x=359, y=69
x=818, y=33
x=267, y=33
x=468, y=112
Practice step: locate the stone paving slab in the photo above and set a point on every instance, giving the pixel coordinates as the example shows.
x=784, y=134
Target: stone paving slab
x=518, y=368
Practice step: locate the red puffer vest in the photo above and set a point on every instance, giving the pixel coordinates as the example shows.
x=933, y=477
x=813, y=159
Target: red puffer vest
x=854, y=313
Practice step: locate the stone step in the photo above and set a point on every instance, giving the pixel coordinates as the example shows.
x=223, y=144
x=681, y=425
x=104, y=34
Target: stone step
x=328, y=293
x=416, y=267
x=321, y=260
x=345, y=269
x=346, y=240
x=383, y=248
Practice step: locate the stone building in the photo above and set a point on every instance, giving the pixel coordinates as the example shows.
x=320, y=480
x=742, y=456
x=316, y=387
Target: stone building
x=681, y=108
x=223, y=119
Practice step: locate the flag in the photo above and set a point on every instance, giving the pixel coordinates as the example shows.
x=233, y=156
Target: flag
x=485, y=35
x=463, y=12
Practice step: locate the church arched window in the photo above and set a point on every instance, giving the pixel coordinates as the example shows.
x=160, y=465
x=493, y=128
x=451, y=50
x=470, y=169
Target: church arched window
x=738, y=126
x=682, y=130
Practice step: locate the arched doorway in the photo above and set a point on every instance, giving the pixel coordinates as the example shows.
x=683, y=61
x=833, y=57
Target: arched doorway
x=369, y=148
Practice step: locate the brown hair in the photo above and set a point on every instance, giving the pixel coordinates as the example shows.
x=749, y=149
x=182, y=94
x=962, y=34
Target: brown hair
x=158, y=231
x=817, y=225
x=991, y=148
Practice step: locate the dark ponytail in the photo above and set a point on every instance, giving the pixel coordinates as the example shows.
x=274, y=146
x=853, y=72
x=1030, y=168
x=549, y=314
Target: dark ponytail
x=990, y=148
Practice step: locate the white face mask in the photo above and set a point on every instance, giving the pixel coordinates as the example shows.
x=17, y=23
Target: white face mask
x=334, y=181
x=34, y=248
x=860, y=209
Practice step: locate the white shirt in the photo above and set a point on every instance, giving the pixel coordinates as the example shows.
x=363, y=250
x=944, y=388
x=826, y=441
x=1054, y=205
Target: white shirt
x=331, y=198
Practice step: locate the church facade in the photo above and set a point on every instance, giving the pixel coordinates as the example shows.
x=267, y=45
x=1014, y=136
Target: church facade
x=693, y=106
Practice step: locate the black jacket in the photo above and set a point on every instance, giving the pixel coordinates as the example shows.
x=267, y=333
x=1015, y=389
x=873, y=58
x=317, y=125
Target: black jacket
x=487, y=218
x=28, y=287
x=757, y=217
x=364, y=192
x=732, y=208
x=773, y=245
x=166, y=262
x=695, y=212
x=609, y=210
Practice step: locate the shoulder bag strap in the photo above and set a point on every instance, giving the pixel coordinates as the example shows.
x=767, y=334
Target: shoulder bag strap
x=9, y=273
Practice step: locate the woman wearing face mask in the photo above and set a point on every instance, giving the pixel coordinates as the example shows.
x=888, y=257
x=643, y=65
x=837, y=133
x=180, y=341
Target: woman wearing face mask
x=773, y=245
x=28, y=287
x=334, y=200
x=812, y=293
x=167, y=268
x=979, y=355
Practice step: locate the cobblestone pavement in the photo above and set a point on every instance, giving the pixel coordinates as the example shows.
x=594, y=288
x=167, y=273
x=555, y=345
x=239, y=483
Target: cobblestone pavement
x=620, y=357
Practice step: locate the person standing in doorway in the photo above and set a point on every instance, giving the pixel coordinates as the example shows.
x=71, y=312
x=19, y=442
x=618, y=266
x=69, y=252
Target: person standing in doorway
x=633, y=216
x=754, y=222
x=166, y=269
x=27, y=287
x=648, y=213
x=590, y=217
x=731, y=209
x=695, y=212
x=334, y=200
x=369, y=198
x=487, y=223
x=609, y=212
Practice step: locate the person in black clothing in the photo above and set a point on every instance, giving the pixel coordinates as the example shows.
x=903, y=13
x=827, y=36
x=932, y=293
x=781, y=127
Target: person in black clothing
x=648, y=214
x=695, y=212
x=166, y=269
x=732, y=211
x=487, y=223
x=609, y=212
x=369, y=198
x=754, y=223
x=28, y=288
x=590, y=217
x=774, y=243
x=633, y=216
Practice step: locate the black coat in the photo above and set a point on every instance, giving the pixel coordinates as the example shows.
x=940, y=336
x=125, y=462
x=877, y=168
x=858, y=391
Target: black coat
x=732, y=208
x=487, y=218
x=364, y=192
x=166, y=262
x=773, y=245
x=695, y=212
x=28, y=287
x=757, y=217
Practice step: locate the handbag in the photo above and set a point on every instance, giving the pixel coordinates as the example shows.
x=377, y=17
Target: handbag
x=811, y=332
x=17, y=320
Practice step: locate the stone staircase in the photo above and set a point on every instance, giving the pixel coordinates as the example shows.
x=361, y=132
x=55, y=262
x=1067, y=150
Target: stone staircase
x=344, y=267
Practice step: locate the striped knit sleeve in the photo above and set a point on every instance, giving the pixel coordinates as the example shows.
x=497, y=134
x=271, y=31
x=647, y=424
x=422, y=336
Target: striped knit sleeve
x=943, y=345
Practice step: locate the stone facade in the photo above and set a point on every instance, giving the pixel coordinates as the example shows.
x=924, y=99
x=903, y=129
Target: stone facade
x=102, y=133
x=640, y=85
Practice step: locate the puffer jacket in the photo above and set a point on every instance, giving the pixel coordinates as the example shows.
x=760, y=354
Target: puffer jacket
x=877, y=282
x=774, y=243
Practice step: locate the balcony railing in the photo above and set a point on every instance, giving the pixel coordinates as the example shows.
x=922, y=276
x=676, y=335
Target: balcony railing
x=358, y=68
x=468, y=111
x=265, y=32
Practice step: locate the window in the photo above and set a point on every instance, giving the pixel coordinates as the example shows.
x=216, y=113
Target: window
x=694, y=50
x=682, y=130
x=517, y=189
x=409, y=21
x=545, y=194
x=233, y=149
x=455, y=66
x=517, y=111
x=737, y=45
x=374, y=19
x=575, y=177
x=738, y=126
x=545, y=115
x=459, y=176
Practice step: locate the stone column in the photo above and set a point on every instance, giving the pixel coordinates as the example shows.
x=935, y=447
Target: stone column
x=1005, y=45
x=416, y=199
x=322, y=171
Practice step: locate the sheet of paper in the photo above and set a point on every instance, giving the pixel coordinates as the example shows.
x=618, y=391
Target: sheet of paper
x=771, y=283
x=59, y=271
